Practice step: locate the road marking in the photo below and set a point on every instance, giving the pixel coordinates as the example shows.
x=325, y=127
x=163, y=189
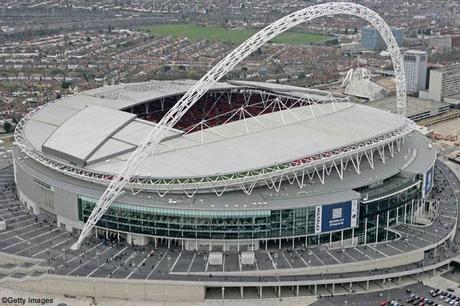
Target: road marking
x=40, y=244
x=305, y=263
x=271, y=259
x=378, y=251
x=15, y=244
x=287, y=260
x=395, y=248
x=322, y=263
x=362, y=253
x=18, y=228
x=327, y=251
x=16, y=217
x=191, y=263
x=349, y=256
x=175, y=262
x=111, y=258
x=53, y=246
x=28, y=232
x=76, y=257
x=255, y=261
x=83, y=264
x=148, y=276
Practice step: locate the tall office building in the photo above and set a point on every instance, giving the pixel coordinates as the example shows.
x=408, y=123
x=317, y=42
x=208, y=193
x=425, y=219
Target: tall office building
x=371, y=38
x=444, y=83
x=415, y=65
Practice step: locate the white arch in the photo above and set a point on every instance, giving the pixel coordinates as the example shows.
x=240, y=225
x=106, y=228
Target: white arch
x=149, y=145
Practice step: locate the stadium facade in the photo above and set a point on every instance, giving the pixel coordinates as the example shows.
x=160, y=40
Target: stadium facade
x=252, y=165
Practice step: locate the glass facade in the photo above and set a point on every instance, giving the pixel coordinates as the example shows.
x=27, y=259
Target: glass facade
x=388, y=207
x=200, y=224
x=385, y=210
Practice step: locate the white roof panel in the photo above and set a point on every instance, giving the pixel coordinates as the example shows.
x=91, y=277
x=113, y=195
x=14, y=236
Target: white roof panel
x=82, y=134
x=37, y=132
x=55, y=114
x=134, y=134
x=111, y=148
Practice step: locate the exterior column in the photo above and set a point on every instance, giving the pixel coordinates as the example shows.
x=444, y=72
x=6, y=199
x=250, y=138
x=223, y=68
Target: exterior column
x=388, y=225
x=316, y=290
x=397, y=215
x=367, y=285
x=377, y=229
x=365, y=231
x=412, y=214
x=353, y=236
x=279, y=243
x=333, y=288
x=351, y=287
x=260, y=292
x=330, y=239
x=223, y=293
x=341, y=238
x=297, y=291
x=241, y=292
x=405, y=213
x=279, y=291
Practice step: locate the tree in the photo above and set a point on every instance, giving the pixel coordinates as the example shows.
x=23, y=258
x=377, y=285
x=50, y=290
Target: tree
x=66, y=84
x=7, y=127
x=192, y=74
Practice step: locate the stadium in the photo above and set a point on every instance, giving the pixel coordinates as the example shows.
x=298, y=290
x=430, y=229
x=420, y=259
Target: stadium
x=212, y=190
x=252, y=164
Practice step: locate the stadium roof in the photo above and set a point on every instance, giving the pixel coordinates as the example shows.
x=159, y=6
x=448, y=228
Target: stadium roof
x=89, y=130
x=417, y=156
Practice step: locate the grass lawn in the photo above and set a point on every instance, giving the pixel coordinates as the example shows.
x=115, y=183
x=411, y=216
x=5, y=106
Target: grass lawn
x=196, y=32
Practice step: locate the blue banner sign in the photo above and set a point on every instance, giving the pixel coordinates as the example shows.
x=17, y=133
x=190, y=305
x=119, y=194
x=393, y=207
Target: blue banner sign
x=334, y=217
x=427, y=182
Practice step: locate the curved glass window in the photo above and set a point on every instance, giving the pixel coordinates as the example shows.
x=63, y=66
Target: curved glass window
x=249, y=224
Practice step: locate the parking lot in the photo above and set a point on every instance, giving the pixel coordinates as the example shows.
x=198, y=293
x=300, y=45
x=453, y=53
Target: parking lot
x=413, y=294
